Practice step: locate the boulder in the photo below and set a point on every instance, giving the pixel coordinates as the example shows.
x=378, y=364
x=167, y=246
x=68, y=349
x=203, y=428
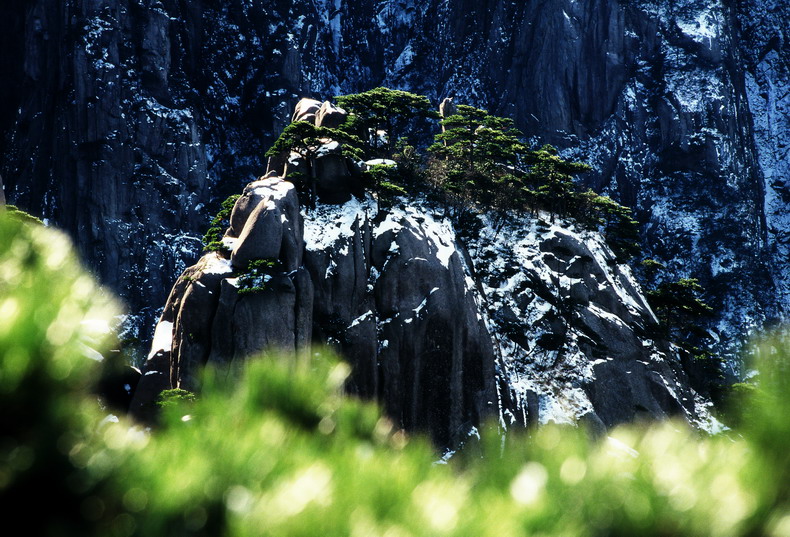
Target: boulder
x=260, y=234
x=261, y=237
x=306, y=110
x=574, y=326
x=156, y=370
x=343, y=304
x=192, y=331
x=447, y=108
x=330, y=116
x=438, y=366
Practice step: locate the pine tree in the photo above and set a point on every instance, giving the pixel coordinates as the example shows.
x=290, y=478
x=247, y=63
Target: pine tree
x=383, y=109
x=212, y=240
x=619, y=227
x=481, y=155
x=306, y=139
x=552, y=180
x=679, y=306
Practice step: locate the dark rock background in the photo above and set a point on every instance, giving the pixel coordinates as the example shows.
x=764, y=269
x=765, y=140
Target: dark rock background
x=126, y=121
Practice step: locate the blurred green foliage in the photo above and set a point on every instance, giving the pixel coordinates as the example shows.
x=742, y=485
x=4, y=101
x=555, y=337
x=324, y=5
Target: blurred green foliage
x=19, y=214
x=276, y=448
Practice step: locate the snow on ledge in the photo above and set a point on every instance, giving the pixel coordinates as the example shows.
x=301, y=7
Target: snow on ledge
x=327, y=224
x=276, y=187
x=216, y=264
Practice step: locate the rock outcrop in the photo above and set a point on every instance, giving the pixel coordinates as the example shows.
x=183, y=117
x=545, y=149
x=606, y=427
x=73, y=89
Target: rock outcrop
x=330, y=116
x=535, y=323
x=306, y=110
x=206, y=318
x=390, y=292
x=573, y=327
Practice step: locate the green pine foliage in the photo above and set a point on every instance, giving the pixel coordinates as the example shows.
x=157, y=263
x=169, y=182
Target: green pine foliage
x=15, y=212
x=175, y=397
x=306, y=139
x=255, y=279
x=682, y=314
x=212, y=240
x=51, y=313
x=678, y=303
x=615, y=221
x=411, y=165
x=480, y=154
x=383, y=109
x=651, y=269
x=275, y=448
x=384, y=179
x=479, y=162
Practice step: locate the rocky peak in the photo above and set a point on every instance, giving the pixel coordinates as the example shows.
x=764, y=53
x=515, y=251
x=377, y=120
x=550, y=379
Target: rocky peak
x=522, y=322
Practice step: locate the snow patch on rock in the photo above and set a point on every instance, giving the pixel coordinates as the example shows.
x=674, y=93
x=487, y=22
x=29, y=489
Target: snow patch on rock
x=163, y=338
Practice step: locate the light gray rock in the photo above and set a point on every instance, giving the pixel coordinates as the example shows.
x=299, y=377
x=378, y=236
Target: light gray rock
x=330, y=116
x=275, y=236
x=306, y=110
x=447, y=108
x=261, y=237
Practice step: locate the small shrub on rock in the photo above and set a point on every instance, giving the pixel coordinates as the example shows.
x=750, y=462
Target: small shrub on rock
x=212, y=240
x=258, y=274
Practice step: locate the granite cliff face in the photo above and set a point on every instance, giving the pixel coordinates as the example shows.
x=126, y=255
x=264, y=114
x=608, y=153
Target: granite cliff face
x=127, y=116
x=534, y=322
